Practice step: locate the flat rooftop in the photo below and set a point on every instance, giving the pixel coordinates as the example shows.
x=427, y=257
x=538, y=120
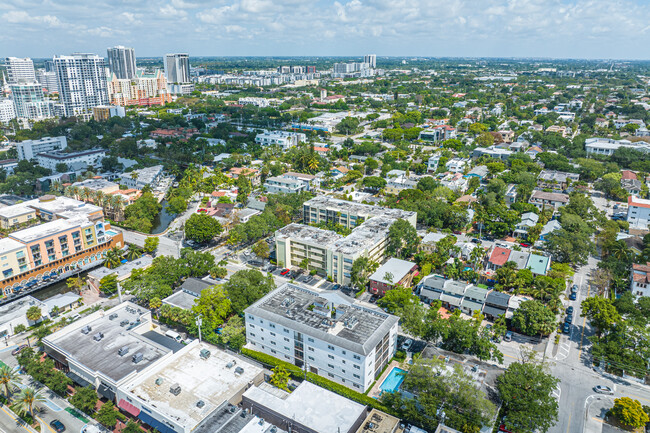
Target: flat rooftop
x=311, y=406
x=95, y=184
x=59, y=205
x=145, y=175
x=15, y=211
x=214, y=381
x=181, y=299
x=304, y=233
x=8, y=245
x=49, y=229
x=123, y=270
x=396, y=267
x=101, y=356
x=17, y=308
x=365, y=236
x=355, y=327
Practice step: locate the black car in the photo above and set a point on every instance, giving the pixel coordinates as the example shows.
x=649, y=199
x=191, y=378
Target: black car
x=573, y=296
x=569, y=319
x=57, y=426
x=476, y=241
x=569, y=310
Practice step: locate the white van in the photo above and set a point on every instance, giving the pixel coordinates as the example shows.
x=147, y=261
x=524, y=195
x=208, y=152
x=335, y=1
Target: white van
x=173, y=335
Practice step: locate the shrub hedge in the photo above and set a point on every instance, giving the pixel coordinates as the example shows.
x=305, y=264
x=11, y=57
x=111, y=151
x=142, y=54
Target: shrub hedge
x=299, y=374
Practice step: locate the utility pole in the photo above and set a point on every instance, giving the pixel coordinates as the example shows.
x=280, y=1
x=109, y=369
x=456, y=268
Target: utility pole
x=199, y=322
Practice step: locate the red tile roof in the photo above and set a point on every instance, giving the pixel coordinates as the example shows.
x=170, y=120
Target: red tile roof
x=499, y=256
x=628, y=175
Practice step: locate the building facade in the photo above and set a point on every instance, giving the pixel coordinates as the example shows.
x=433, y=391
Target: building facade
x=177, y=68
x=82, y=83
x=283, y=139
x=19, y=70
x=74, y=160
x=28, y=149
x=143, y=90
x=121, y=61
x=332, y=336
x=30, y=102
x=7, y=110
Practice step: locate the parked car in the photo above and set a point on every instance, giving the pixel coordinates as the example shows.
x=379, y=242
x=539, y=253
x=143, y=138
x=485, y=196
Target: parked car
x=18, y=349
x=569, y=310
x=566, y=328
x=573, y=296
x=525, y=244
x=569, y=318
x=574, y=288
x=476, y=241
x=57, y=426
x=407, y=344
x=336, y=287
x=602, y=389
x=285, y=272
x=508, y=336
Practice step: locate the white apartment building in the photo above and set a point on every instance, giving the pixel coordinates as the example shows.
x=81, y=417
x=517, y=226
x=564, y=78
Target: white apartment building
x=638, y=212
x=75, y=161
x=20, y=69
x=456, y=165
x=47, y=80
x=28, y=149
x=82, y=83
x=177, y=68
x=30, y=102
x=7, y=110
x=138, y=179
x=283, y=139
x=640, y=279
x=258, y=102
x=607, y=146
x=296, y=242
x=283, y=185
x=432, y=164
x=323, y=332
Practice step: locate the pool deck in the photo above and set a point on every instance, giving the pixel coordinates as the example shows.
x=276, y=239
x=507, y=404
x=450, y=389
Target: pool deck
x=375, y=391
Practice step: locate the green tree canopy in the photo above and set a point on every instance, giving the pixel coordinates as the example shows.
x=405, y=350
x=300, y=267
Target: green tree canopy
x=202, y=228
x=246, y=287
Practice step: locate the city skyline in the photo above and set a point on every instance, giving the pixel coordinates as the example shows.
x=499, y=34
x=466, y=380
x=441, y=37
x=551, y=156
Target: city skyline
x=429, y=28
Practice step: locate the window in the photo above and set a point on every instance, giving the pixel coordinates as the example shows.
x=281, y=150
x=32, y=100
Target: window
x=272, y=325
x=357, y=367
x=311, y=349
x=273, y=343
x=330, y=356
x=252, y=326
x=273, y=334
x=286, y=339
x=330, y=374
x=330, y=365
x=357, y=357
x=252, y=335
x=356, y=385
x=286, y=330
x=311, y=340
x=357, y=376
x=343, y=352
x=286, y=348
x=311, y=358
x=343, y=371
x=330, y=347
x=273, y=351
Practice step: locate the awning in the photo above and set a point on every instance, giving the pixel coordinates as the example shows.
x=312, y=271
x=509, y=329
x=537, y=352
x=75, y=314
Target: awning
x=489, y=310
x=78, y=379
x=153, y=422
x=128, y=407
x=106, y=391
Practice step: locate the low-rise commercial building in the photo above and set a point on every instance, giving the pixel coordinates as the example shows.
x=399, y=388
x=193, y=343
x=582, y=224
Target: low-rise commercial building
x=326, y=333
x=138, y=179
x=283, y=139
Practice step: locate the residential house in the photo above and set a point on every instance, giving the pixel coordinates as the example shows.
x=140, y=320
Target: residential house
x=630, y=182
x=511, y=194
x=392, y=273
x=480, y=172
x=455, y=182
x=528, y=220
x=431, y=288
x=538, y=265
x=473, y=300
x=556, y=180
x=493, y=152
x=640, y=279
x=549, y=228
x=252, y=174
x=430, y=240
x=432, y=164
x=496, y=304
x=546, y=200
x=456, y=165
x=453, y=294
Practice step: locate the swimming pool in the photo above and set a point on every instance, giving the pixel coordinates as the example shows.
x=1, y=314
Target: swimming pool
x=111, y=233
x=393, y=380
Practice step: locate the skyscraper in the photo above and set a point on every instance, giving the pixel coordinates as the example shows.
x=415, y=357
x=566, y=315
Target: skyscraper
x=29, y=101
x=82, y=83
x=121, y=61
x=177, y=68
x=20, y=69
x=47, y=80
x=370, y=59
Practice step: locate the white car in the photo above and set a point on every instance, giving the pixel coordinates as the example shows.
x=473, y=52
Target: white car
x=602, y=389
x=407, y=344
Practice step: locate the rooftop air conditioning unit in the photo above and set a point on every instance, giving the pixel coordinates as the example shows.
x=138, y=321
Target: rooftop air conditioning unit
x=175, y=389
x=205, y=354
x=239, y=370
x=86, y=329
x=123, y=351
x=200, y=404
x=137, y=357
x=98, y=336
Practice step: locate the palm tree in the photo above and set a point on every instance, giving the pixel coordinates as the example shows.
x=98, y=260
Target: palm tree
x=113, y=258
x=26, y=400
x=57, y=186
x=9, y=379
x=133, y=253
x=33, y=313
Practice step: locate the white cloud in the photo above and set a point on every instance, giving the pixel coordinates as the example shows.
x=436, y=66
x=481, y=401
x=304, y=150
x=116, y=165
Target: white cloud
x=22, y=17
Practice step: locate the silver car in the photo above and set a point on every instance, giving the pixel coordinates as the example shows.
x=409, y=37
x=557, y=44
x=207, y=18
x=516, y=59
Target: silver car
x=602, y=389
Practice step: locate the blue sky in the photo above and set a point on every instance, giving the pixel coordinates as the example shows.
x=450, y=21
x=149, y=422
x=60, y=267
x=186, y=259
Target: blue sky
x=458, y=28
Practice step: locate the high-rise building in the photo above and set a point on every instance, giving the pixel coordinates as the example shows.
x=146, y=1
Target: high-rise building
x=7, y=110
x=20, y=69
x=121, y=61
x=177, y=68
x=370, y=59
x=143, y=89
x=82, y=83
x=47, y=80
x=30, y=102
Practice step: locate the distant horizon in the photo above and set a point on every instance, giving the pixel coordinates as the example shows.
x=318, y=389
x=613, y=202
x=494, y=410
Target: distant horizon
x=553, y=29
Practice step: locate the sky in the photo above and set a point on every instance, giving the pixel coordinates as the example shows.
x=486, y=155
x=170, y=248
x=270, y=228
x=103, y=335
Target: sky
x=600, y=29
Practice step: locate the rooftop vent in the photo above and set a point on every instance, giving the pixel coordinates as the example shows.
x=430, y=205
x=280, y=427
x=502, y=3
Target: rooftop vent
x=231, y=364
x=239, y=370
x=175, y=389
x=123, y=323
x=137, y=357
x=232, y=409
x=350, y=322
x=205, y=354
x=98, y=336
x=159, y=381
x=112, y=316
x=86, y=329
x=200, y=404
x=288, y=301
x=123, y=351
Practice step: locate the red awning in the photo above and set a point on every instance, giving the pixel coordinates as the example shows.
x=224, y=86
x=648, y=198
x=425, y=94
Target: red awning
x=123, y=404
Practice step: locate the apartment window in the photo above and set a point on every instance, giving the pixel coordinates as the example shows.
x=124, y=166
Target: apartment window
x=250, y=317
x=357, y=376
x=357, y=357
x=356, y=385
x=252, y=335
x=330, y=374
x=286, y=330
x=330, y=347
x=8, y=273
x=311, y=340
x=273, y=351
x=330, y=356
x=311, y=349
x=286, y=348
x=342, y=371
x=273, y=334
x=273, y=343
x=286, y=339
x=272, y=325
x=252, y=326
x=343, y=352
x=330, y=365
x=311, y=358
x=357, y=367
